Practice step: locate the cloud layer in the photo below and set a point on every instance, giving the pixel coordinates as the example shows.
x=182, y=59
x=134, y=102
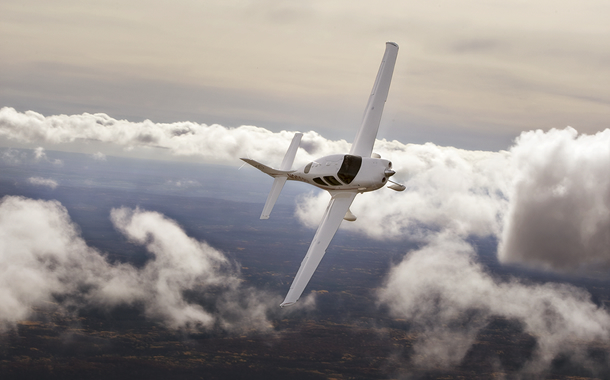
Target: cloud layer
x=213, y=143
x=44, y=260
x=547, y=198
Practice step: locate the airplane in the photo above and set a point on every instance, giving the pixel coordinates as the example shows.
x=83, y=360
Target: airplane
x=342, y=175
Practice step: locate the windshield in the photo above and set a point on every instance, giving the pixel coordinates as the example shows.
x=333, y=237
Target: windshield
x=349, y=168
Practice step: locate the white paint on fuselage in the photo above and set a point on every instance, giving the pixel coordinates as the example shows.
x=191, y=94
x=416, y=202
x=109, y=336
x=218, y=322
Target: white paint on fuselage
x=371, y=175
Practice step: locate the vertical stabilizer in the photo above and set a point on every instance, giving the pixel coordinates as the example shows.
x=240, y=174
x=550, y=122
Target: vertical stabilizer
x=280, y=179
x=291, y=152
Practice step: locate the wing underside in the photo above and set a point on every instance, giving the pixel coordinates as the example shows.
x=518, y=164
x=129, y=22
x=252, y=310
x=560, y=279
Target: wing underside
x=337, y=207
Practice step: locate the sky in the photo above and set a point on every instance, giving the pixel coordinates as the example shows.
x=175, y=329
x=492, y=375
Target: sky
x=496, y=123
x=470, y=74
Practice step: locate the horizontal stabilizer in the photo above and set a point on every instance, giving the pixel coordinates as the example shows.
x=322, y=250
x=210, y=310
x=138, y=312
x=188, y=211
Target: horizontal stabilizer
x=276, y=189
x=281, y=176
x=266, y=169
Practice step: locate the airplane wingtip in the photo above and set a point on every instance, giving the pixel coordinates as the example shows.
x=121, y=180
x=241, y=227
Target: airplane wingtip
x=392, y=43
x=286, y=304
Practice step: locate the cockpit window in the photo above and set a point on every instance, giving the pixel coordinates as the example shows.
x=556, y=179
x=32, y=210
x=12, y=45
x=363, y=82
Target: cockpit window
x=332, y=180
x=308, y=167
x=319, y=181
x=350, y=167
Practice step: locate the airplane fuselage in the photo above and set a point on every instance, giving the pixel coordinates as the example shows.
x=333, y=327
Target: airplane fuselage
x=345, y=172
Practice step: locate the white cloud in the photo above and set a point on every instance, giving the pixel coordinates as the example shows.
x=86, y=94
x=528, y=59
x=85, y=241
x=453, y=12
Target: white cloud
x=551, y=184
x=46, y=182
x=39, y=154
x=447, y=188
x=547, y=199
x=183, y=183
x=214, y=143
x=43, y=256
x=559, y=213
x=99, y=156
x=448, y=296
x=14, y=157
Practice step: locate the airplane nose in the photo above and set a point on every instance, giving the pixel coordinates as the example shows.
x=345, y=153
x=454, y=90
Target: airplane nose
x=389, y=172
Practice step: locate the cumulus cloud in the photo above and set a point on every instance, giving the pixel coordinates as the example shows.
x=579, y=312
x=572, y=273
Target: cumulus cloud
x=44, y=259
x=449, y=297
x=39, y=153
x=461, y=190
x=559, y=213
x=547, y=198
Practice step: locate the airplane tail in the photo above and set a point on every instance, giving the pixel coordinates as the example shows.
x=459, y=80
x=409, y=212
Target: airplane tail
x=281, y=175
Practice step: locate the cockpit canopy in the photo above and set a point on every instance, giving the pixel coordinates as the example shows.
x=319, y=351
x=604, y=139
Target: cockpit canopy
x=346, y=174
x=349, y=168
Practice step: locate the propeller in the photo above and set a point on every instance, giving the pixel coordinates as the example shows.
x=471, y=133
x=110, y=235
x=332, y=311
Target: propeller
x=388, y=173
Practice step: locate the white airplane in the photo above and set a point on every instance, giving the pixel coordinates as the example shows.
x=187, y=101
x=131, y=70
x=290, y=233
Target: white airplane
x=342, y=175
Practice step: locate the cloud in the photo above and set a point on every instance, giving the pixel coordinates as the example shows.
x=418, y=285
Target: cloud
x=99, y=156
x=448, y=296
x=14, y=157
x=547, y=198
x=183, y=183
x=46, y=182
x=559, y=213
x=44, y=259
x=40, y=155
x=447, y=188
x=213, y=143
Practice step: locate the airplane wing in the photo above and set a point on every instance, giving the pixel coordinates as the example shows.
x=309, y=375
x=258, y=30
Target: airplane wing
x=338, y=206
x=365, y=139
